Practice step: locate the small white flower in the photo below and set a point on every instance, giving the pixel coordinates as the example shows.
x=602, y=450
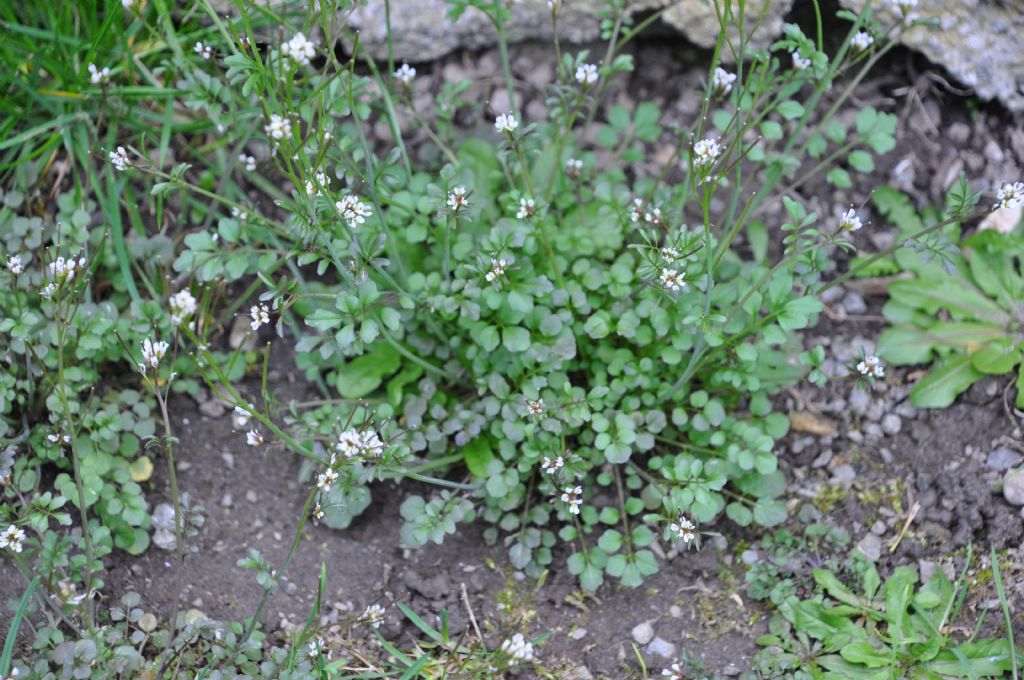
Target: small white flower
x=904, y=6
x=670, y=253
x=15, y=265
x=373, y=615
x=673, y=672
x=317, y=513
x=518, y=649
x=457, y=199
x=636, y=211
x=850, y=221
x=63, y=270
x=1010, y=195
x=574, y=167
x=152, y=353
x=278, y=128
x=705, y=153
x=535, y=408
x=119, y=158
x=353, y=210
x=871, y=366
x=313, y=187
x=722, y=81
x=253, y=438
x=260, y=315
x=527, y=206
x=800, y=62
x=68, y=592
x=326, y=479
x=574, y=497
x=373, y=445
x=683, y=529
x=57, y=438
x=48, y=290
x=672, y=279
x=653, y=217
x=506, y=122
x=299, y=49
x=586, y=74
x=12, y=537
x=240, y=417
x=497, y=269
x=183, y=305
x=552, y=465
x=862, y=41
x=127, y=4
x=98, y=75
x=315, y=646
x=350, y=443
x=237, y=214
x=204, y=51
x=248, y=161
x=406, y=74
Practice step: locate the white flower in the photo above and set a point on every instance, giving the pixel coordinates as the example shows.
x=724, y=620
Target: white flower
x=535, y=408
x=48, y=290
x=152, y=353
x=12, y=537
x=653, y=217
x=683, y=529
x=1010, y=195
x=278, y=127
x=119, y=158
x=98, y=75
x=574, y=497
x=248, y=161
x=506, y=122
x=352, y=443
x=57, y=438
x=586, y=74
x=373, y=615
x=183, y=305
x=673, y=672
x=240, y=417
x=871, y=366
x=705, y=153
x=904, y=6
x=672, y=279
x=127, y=4
x=315, y=646
x=457, y=199
x=260, y=315
x=237, y=214
x=526, y=208
x=313, y=188
x=15, y=265
x=850, y=221
x=253, y=438
x=552, y=465
x=518, y=649
x=670, y=253
x=299, y=49
x=862, y=41
x=62, y=270
x=800, y=62
x=636, y=211
x=68, y=592
x=353, y=210
x=372, y=444
x=722, y=81
x=406, y=74
x=204, y=51
x=574, y=166
x=326, y=479
x=497, y=269
x=317, y=513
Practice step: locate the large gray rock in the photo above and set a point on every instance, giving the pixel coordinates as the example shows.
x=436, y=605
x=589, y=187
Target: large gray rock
x=977, y=41
x=422, y=31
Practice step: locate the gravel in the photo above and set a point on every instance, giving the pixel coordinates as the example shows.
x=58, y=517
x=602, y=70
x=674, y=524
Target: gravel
x=1003, y=458
x=871, y=546
x=643, y=633
x=1013, y=486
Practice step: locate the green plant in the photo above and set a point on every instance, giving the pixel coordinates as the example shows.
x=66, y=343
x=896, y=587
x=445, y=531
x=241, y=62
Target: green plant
x=891, y=630
x=784, y=562
x=963, y=316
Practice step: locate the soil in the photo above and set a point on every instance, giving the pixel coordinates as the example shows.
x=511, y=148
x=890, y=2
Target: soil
x=934, y=460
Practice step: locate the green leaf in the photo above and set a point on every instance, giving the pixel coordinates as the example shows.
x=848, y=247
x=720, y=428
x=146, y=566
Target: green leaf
x=739, y=513
x=478, y=454
x=769, y=513
x=515, y=338
x=838, y=177
x=943, y=384
x=861, y=161
x=865, y=654
x=359, y=377
x=997, y=358
x=790, y=109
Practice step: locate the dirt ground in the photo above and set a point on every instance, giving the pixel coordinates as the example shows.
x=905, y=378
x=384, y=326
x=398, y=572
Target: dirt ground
x=867, y=476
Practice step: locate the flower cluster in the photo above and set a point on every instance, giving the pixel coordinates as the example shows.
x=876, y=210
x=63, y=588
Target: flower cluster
x=278, y=128
x=573, y=496
x=313, y=185
x=722, y=81
x=535, y=408
x=353, y=443
x=574, y=167
x=849, y=221
x=586, y=74
x=326, y=479
x=497, y=269
x=62, y=271
x=552, y=465
x=1010, y=195
x=299, y=49
x=120, y=159
x=253, y=438
x=527, y=206
x=872, y=367
x=13, y=538
x=683, y=529
x=405, y=74
x=15, y=265
x=248, y=161
x=800, y=62
x=58, y=438
x=506, y=122
x=183, y=305
x=203, y=50
x=672, y=279
x=152, y=353
x=457, y=199
x=260, y=315
x=862, y=41
x=518, y=649
x=316, y=648
x=353, y=210
x=705, y=153
x=98, y=75
x=373, y=615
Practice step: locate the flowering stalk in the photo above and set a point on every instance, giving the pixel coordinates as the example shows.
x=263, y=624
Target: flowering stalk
x=541, y=226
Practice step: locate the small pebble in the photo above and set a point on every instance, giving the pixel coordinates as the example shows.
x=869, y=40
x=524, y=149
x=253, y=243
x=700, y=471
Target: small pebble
x=227, y=500
x=578, y=634
x=891, y=423
x=662, y=648
x=1013, y=486
x=1003, y=458
x=871, y=546
x=643, y=633
x=251, y=496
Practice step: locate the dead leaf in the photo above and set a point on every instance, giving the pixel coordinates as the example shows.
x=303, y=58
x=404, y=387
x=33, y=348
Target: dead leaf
x=805, y=421
x=141, y=469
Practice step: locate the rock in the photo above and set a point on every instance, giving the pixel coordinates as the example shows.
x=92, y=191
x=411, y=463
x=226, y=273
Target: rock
x=421, y=29
x=432, y=588
x=806, y=421
x=643, y=633
x=227, y=500
x=213, y=408
x=891, y=423
x=860, y=400
x=241, y=336
x=1003, y=458
x=662, y=648
x=578, y=634
x=871, y=547
x=579, y=673
x=823, y=459
x=977, y=41
x=1013, y=486
x=164, y=539
x=854, y=303
x=844, y=475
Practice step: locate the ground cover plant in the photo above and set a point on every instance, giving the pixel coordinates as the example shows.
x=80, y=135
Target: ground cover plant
x=537, y=323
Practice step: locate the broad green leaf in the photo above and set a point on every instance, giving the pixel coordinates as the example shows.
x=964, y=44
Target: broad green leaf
x=941, y=386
